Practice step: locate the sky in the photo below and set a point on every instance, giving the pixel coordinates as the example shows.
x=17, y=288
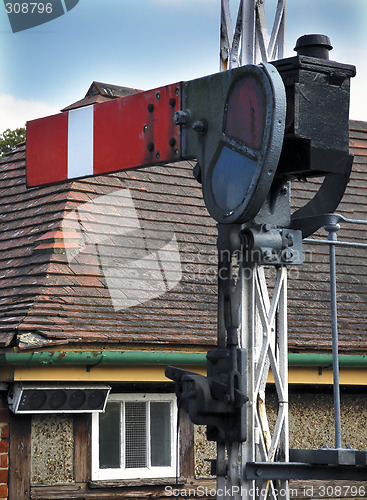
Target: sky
x=148, y=43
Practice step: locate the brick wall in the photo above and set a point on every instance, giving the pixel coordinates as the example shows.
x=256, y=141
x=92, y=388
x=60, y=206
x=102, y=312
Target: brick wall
x=4, y=447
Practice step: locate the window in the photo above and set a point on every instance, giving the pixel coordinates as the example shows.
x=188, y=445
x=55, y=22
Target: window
x=135, y=437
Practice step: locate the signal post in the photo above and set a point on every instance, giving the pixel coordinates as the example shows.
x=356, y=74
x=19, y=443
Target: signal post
x=252, y=130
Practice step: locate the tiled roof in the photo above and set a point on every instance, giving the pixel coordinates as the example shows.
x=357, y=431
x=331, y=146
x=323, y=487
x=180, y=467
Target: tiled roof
x=45, y=299
x=68, y=262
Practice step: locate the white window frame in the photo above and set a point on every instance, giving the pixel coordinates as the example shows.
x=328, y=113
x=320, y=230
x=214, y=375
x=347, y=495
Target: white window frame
x=151, y=472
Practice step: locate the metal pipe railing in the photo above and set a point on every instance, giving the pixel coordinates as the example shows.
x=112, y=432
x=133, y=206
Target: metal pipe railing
x=331, y=225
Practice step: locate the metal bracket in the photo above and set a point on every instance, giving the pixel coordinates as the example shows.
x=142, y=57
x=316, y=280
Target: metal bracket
x=328, y=456
x=266, y=245
x=295, y=470
x=217, y=400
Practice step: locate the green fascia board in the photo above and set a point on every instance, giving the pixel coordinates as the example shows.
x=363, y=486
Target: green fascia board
x=130, y=358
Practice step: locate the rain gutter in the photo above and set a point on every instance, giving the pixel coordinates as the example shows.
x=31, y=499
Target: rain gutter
x=106, y=358
x=130, y=358
x=326, y=360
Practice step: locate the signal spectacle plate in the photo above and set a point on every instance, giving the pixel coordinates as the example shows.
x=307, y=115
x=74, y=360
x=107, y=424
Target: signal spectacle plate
x=244, y=164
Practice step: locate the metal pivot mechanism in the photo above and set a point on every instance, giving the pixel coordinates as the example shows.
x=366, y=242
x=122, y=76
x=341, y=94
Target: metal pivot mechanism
x=266, y=245
x=218, y=399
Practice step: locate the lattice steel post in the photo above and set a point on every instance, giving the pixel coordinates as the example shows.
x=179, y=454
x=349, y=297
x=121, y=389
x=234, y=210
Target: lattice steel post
x=263, y=323
x=249, y=42
x=264, y=335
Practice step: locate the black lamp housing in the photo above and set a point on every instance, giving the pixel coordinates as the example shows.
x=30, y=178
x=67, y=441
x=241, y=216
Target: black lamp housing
x=316, y=141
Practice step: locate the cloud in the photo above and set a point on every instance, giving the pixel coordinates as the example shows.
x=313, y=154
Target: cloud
x=16, y=112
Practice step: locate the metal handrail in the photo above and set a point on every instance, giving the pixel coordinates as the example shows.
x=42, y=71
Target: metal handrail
x=330, y=222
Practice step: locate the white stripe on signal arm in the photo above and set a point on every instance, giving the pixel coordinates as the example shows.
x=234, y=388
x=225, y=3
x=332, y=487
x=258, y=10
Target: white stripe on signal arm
x=80, y=142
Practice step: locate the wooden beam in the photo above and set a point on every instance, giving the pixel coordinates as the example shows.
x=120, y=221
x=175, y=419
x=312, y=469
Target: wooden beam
x=186, y=450
x=20, y=457
x=82, y=448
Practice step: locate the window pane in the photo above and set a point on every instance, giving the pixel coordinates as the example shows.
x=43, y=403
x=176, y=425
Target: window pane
x=160, y=433
x=135, y=435
x=110, y=437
